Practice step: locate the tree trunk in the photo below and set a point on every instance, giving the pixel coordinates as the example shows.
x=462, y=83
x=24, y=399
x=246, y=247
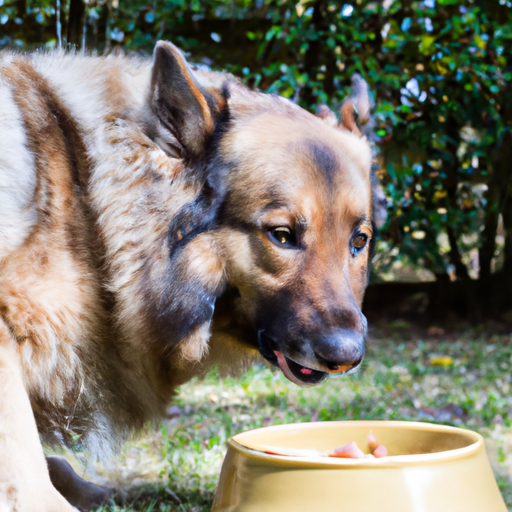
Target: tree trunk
x=499, y=198
x=76, y=22
x=21, y=6
x=506, y=292
x=311, y=59
x=58, y=24
x=108, y=26
x=505, y=157
x=461, y=270
x=488, y=245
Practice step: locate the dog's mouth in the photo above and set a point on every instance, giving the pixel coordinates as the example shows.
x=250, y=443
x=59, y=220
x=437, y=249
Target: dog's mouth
x=293, y=371
x=298, y=374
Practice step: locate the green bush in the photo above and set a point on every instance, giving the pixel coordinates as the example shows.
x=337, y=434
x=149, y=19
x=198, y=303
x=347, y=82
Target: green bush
x=440, y=72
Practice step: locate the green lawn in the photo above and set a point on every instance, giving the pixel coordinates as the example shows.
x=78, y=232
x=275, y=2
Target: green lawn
x=469, y=387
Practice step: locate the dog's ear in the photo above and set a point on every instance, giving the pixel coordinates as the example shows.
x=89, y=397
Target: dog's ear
x=355, y=111
x=184, y=108
x=325, y=113
x=355, y=114
x=189, y=114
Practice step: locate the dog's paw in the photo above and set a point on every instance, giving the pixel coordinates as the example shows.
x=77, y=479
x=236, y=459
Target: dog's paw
x=80, y=493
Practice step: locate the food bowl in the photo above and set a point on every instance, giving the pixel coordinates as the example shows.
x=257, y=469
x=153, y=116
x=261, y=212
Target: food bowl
x=430, y=468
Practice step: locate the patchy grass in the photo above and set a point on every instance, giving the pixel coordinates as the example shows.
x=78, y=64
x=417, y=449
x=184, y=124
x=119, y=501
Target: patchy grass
x=458, y=379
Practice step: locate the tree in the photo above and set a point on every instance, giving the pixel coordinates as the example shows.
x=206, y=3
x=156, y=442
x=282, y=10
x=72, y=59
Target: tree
x=441, y=74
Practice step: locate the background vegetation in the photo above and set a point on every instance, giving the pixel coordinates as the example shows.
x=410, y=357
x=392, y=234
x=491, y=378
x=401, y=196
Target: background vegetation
x=462, y=378
x=440, y=72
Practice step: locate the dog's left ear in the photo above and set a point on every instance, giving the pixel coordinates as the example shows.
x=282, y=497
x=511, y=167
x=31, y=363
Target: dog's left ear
x=355, y=117
x=180, y=103
x=186, y=117
x=355, y=111
x=325, y=113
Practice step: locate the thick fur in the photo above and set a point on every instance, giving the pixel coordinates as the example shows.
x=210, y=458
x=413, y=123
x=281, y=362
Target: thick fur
x=135, y=200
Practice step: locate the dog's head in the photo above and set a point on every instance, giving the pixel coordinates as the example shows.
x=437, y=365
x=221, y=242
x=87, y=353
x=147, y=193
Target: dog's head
x=296, y=227
x=285, y=213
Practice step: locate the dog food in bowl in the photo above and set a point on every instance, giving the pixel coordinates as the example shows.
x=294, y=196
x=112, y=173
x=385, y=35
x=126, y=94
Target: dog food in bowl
x=430, y=468
x=347, y=451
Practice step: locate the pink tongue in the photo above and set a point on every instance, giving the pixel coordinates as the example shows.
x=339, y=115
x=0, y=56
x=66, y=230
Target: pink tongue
x=281, y=361
x=306, y=371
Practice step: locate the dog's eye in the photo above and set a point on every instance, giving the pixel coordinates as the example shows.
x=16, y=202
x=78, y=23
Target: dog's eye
x=358, y=243
x=283, y=237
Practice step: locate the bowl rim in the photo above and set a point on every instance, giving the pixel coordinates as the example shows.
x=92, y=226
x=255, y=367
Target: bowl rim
x=391, y=461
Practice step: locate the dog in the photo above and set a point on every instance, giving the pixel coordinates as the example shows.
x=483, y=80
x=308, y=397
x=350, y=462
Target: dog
x=156, y=220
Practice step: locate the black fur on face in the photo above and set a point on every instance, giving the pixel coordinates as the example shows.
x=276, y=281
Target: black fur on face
x=201, y=214
x=186, y=304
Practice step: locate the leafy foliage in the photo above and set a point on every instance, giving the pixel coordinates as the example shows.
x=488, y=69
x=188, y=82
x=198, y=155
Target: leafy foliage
x=440, y=72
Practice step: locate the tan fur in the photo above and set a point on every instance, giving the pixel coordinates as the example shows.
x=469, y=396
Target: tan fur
x=331, y=266
x=86, y=249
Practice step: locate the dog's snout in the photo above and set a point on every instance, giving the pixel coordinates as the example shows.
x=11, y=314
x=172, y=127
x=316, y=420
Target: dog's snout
x=341, y=351
x=344, y=366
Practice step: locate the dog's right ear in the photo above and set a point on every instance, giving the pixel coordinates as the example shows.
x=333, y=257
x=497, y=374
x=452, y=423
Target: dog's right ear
x=181, y=105
x=356, y=108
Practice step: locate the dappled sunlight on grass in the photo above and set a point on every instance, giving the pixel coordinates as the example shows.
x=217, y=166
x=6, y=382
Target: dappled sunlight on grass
x=462, y=380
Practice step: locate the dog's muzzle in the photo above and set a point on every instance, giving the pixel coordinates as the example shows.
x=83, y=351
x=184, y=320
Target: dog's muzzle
x=303, y=375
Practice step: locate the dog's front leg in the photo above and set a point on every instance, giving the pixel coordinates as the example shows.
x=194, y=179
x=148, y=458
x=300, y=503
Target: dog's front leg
x=25, y=484
x=82, y=494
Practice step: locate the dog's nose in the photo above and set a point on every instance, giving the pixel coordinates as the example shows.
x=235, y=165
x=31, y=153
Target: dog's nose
x=341, y=351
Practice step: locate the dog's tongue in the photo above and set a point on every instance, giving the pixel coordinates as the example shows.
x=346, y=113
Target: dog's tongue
x=297, y=373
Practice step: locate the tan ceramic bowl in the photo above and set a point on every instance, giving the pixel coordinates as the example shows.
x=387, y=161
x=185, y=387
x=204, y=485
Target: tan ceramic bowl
x=431, y=468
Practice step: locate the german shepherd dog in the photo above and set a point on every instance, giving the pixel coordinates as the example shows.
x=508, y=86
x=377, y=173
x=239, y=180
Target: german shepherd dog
x=156, y=220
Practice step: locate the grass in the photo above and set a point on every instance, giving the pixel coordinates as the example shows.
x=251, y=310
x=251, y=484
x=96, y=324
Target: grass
x=462, y=379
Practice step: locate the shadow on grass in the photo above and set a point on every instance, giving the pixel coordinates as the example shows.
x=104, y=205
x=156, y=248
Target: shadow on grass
x=158, y=498
x=461, y=378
